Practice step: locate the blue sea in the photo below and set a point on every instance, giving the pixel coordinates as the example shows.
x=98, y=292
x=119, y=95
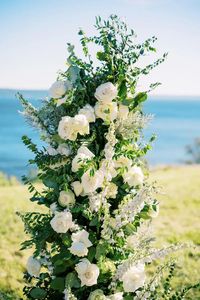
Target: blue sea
x=176, y=123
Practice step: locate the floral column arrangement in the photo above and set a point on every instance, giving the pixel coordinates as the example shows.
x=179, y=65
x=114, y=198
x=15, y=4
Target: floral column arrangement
x=92, y=240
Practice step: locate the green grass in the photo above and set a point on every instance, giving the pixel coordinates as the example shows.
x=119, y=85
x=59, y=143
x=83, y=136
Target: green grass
x=178, y=221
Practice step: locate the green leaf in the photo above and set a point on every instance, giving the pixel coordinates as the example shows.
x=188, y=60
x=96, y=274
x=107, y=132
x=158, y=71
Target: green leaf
x=59, y=269
x=50, y=183
x=101, y=56
x=145, y=216
x=130, y=229
x=58, y=284
x=122, y=90
x=94, y=221
x=91, y=253
x=141, y=97
x=72, y=280
x=59, y=258
x=38, y=293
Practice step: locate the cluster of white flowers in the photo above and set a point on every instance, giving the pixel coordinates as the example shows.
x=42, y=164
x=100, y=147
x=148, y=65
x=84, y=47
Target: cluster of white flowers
x=99, y=295
x=119, y=120
x=105, y=108
x=133, y=121
x=129, y=208
x=62, y=149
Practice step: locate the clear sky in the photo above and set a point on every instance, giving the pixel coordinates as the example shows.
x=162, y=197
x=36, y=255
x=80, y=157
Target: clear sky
x=33, y=36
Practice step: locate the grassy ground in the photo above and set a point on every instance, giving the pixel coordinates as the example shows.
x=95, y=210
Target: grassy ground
x=178, y=221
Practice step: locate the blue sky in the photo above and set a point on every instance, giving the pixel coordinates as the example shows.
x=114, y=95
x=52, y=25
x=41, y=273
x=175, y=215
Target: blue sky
x=34, y=34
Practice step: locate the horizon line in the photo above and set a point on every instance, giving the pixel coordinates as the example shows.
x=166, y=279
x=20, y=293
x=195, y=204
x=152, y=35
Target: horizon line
x=150, y=94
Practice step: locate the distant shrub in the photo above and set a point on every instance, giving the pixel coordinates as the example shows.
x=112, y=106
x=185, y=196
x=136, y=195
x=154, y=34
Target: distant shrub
x=194, y=152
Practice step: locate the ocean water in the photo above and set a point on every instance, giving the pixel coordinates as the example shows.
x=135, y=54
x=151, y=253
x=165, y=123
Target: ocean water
x=176, y=123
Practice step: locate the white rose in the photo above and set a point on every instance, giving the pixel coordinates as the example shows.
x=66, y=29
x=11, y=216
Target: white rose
x=59, y=88
x=116, y=296
x=97, y=295
x=91, y=183
x=132, y=241
x=66, y=198
x=64, y=149
x=134, y=278
x=81, y=236
x=78, y=249
x=33, y=266
x=88, y=111
x=123, y=161
x=134, y=176
x=51, y=151
x=123, y=111
x=77, y=187
x=111, y=191
x=80, y=243
x=87, y=272
x=86, y=151
x=83, y=154
x=62, y=222
x=69, y=127
x=106, y=92
x=66, y=129
x=81, y=124
x=106, y=111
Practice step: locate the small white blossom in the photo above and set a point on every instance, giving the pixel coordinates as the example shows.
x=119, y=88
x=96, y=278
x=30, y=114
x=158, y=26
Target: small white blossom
x=123, y=111
x=59, y=88
x=134, y=278
x=53, y=207
x=61, y=100
x=51, y=151
x=95, y=201
x=116, y=296
x=33, y=266
x=83, y=154
x=64, y=149
x=77, y=187
x=91, y=183
x=88, y=111
x=81, y=243
x=134, y=176
x=123, y=161
x=111, y=191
